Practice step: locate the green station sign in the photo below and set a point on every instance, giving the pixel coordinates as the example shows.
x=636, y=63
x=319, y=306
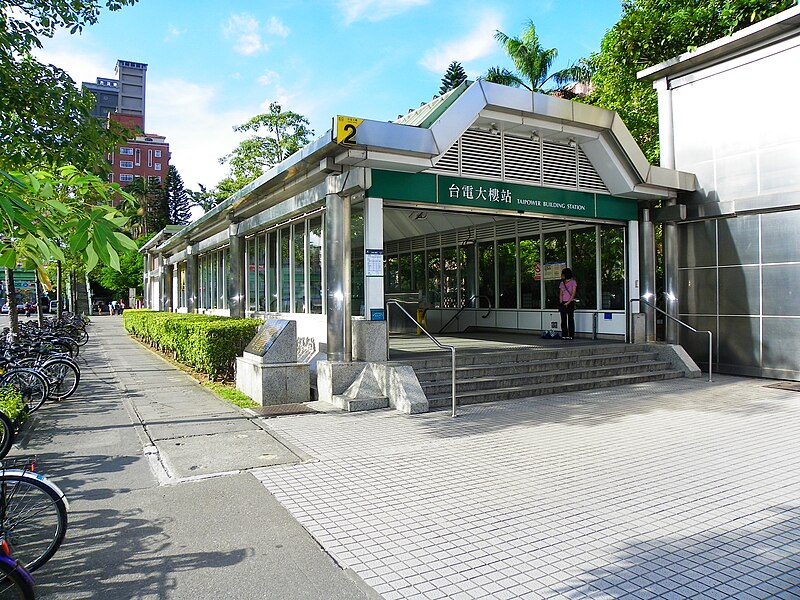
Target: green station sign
x=499, y=196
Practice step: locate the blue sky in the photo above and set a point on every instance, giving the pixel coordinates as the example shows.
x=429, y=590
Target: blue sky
x=212, y=65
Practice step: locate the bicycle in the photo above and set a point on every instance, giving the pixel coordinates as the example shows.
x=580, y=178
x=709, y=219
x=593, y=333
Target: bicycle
x=33, y=514
x=15, y=580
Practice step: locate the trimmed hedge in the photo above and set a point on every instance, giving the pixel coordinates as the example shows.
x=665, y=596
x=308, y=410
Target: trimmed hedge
x=206, y=343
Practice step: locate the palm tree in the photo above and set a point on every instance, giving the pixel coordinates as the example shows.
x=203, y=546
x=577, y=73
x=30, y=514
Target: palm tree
x=533, y=63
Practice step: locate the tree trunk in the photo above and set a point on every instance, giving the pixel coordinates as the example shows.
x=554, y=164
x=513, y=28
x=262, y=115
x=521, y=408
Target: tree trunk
x=39, y=294
x=11, y=299
x=59, y=290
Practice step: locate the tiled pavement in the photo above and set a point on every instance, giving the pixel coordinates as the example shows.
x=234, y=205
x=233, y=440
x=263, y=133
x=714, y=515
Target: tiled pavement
x=680, y=489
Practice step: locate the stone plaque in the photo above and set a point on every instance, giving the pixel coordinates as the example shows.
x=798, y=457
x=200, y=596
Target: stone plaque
x=266, y=337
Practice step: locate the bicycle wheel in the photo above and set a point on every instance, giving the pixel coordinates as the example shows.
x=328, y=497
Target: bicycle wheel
x=13, y=583
x=33, y=516
x=62, y=376
x=6, y=434
x=31, y=384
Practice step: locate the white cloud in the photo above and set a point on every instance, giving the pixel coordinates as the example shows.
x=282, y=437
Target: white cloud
x=197, y=131
x=475, y=44
x=173, y=33
x=375, y=10
x=243, y=29
x=268, y=77
x=276, y=27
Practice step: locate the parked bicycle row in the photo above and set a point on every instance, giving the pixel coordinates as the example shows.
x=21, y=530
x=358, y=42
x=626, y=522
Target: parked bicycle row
x=37, y=365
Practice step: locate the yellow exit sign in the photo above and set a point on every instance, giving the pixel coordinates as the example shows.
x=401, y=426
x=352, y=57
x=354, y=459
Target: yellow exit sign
x=346, y=129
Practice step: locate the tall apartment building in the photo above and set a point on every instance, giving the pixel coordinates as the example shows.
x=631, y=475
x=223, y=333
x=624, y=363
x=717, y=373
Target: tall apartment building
x=122, y=100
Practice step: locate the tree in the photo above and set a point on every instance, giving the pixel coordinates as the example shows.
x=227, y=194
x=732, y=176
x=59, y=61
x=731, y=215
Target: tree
x=130, y=274
x=454, y=77
x=178, y=203
x=47, y=216
x=652, y=31
x=204, y=198
x=533, y=63
x=286, y=133
x=46, y=120
x=146, y=206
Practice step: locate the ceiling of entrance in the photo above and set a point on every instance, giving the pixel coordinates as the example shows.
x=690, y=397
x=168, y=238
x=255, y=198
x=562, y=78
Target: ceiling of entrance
x=403, y=223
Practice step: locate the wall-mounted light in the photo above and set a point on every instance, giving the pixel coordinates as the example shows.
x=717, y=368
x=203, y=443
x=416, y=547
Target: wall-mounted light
x=494, y=129
x=573, y=143
x=535, y=136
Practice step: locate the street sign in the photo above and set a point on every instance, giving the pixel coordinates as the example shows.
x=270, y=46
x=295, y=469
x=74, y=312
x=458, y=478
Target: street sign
x=346, y=129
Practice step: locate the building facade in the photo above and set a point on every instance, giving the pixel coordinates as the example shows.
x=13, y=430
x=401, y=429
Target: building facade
x=726, y=114
x=123, y=101
x=466, y=209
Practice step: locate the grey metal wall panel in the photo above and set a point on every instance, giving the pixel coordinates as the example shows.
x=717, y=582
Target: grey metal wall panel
x=781, y=292
x=738, y=240
x=697, y=291
x=739, y=290
x=698, y=244
x=780, y=236
x=696, y=344
x=739, y=341
x=782, y=343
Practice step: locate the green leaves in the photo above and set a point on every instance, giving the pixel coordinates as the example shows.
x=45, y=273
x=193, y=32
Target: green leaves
x=43, y=210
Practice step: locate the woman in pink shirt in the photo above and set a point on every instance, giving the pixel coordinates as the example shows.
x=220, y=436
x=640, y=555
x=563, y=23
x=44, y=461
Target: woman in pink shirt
x=566, y=303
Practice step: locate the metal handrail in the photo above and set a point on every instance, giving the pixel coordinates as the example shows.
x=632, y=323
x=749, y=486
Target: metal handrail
x=679, y=322
x=464, y=306
x=434, y=340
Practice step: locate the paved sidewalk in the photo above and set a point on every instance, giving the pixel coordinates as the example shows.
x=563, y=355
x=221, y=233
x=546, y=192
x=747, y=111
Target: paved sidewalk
x=154, y=467
x=682, y=489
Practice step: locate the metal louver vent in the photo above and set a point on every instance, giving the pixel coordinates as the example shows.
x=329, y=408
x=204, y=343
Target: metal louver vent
x=523, y=159
x=505, y=230
x=448, y=163
x=588, y=179
x=481, y=154
x=404, y=245
x=484, y=232
x=390, y=247
x=559, y=165
x=528, y=227
x=418, y=243
x=449, y=239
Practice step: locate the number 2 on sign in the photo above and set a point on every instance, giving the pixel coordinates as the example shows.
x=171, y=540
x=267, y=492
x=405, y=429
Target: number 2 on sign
x=350, y=130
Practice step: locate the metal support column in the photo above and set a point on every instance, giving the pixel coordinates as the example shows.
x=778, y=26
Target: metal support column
x=671, y=278
x=191, y=280
x=235, y=277
x=337, y=274
x=647, y=262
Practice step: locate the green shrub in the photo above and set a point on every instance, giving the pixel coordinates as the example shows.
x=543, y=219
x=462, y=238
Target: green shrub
x=206, y=343
x=12, y=403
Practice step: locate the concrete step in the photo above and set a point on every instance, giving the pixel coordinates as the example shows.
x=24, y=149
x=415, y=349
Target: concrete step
x=443, y=373
x=537, y=377
x=526, y=391
x=522, y=354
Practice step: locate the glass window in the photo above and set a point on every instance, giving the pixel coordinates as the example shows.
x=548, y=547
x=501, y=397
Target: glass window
x=450, y=282
x=286, y=274
x=434, y=293
x=157, y=153
x=272, y=273
x=157, y=166
x=315, y=265
x=391, y=274
x=612, y=267
x=299, y=267
x=404, y=275
x=126, y=164
x=555, y=253
x=222, y=286
x=126, y=178
x=357, y=259
x=212, y=279
x=182, y=284
x=126, y=151
x=251, y=274
x=530, y=272
x=418, y=273
x=583, y=245
x=486, y=274
x=261, y=260
x=138, y=155
x=507, y=273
